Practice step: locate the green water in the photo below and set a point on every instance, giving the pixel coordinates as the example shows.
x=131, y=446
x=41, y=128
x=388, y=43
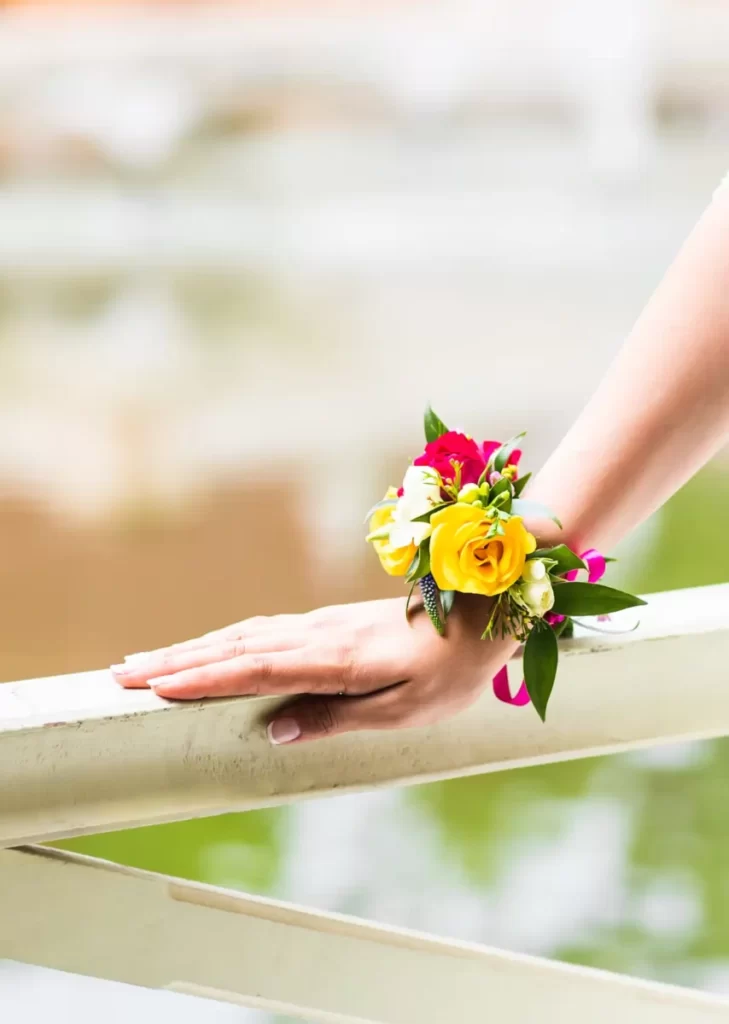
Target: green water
x=615, y=862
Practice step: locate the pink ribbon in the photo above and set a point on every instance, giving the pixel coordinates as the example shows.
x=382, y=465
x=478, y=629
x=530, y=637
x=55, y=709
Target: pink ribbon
x=595, y=571
x=595, y=566
x=500, y=683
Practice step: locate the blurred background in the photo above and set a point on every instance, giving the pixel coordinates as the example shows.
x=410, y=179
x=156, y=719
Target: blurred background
x=241, y=246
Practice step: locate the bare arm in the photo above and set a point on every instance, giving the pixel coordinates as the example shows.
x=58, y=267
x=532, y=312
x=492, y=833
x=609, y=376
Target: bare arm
x=661, y=411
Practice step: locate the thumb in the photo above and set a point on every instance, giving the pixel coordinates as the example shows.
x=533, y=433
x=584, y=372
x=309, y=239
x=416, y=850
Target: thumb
x=313, y=718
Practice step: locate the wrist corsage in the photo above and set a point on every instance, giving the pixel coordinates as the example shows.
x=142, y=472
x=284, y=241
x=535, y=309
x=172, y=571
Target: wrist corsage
x=456, y=525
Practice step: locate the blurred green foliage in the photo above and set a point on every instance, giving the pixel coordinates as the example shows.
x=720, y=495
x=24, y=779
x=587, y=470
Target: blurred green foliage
x=233, y=849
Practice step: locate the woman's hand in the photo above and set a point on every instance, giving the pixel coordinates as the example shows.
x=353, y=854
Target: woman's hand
x=360, y=666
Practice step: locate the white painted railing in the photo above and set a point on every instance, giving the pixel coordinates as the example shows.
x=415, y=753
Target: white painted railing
x=79, y=755
x=82, y=915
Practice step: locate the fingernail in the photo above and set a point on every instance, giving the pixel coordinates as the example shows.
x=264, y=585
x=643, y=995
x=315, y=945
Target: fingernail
x=120, y=670
x=160, y=682
x=283, y=730
x=131, y=659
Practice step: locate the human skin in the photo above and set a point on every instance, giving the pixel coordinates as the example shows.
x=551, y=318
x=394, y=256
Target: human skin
x=658, y=415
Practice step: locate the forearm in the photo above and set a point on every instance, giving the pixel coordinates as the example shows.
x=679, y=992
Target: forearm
x=662, y=410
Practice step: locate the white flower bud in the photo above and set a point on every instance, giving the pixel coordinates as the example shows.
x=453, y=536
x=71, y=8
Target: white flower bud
x=537, y=596
x=534, y=570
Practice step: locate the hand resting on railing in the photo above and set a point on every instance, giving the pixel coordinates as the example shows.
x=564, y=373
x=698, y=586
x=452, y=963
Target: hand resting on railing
x=660, y=413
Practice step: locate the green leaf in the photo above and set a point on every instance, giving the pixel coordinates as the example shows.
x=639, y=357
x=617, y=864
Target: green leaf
x=382, y=534
x=591, y=599
x=501, y=455
x=568, y=629
x=410, y=597
x=425, y=517
x=540, y=666
x=564, y=557
x=564, y=628
x=502, y=503
x=502, y=486
x=420, y=565
x=434, y=426
x=447, y=598
x=521, y=483
x=533, y=510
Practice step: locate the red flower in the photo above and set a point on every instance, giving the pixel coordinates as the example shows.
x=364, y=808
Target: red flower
x=450, y=448
x=455, y=447
x=489, y=447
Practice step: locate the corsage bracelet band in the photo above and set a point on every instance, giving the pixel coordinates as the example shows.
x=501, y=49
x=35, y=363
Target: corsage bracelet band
x=456, y=525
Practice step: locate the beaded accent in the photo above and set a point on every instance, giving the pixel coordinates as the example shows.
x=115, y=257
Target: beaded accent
x=429, y=590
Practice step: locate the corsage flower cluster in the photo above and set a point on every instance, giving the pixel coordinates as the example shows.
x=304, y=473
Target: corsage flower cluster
x=456, y=525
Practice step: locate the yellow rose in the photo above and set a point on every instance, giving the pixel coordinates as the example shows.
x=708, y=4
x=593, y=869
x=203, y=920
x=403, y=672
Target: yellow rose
x=462, y=559
x=395, y=561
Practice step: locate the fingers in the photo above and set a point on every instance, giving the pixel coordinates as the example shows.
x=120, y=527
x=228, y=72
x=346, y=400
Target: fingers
x=259, y=625
x=305, y=669
x=142, y=670
x=313, y=718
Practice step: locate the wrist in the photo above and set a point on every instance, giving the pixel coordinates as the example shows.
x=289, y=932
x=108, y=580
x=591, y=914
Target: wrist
x=548, y=534
x=468, y=620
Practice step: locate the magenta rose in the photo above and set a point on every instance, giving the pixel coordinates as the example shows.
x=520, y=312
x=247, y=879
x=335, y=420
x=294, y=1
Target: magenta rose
x=454, y=447
x=489, y=447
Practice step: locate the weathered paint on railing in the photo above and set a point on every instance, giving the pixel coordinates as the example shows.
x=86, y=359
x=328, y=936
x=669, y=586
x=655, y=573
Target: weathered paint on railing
x=79, y=755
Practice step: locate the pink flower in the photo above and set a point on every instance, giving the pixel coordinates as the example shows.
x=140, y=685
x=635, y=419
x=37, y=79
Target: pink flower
x=489, y=447
x=451, y=448
x=454, y=447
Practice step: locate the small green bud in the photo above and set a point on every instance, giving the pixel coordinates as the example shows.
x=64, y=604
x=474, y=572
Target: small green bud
x=470, y=493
